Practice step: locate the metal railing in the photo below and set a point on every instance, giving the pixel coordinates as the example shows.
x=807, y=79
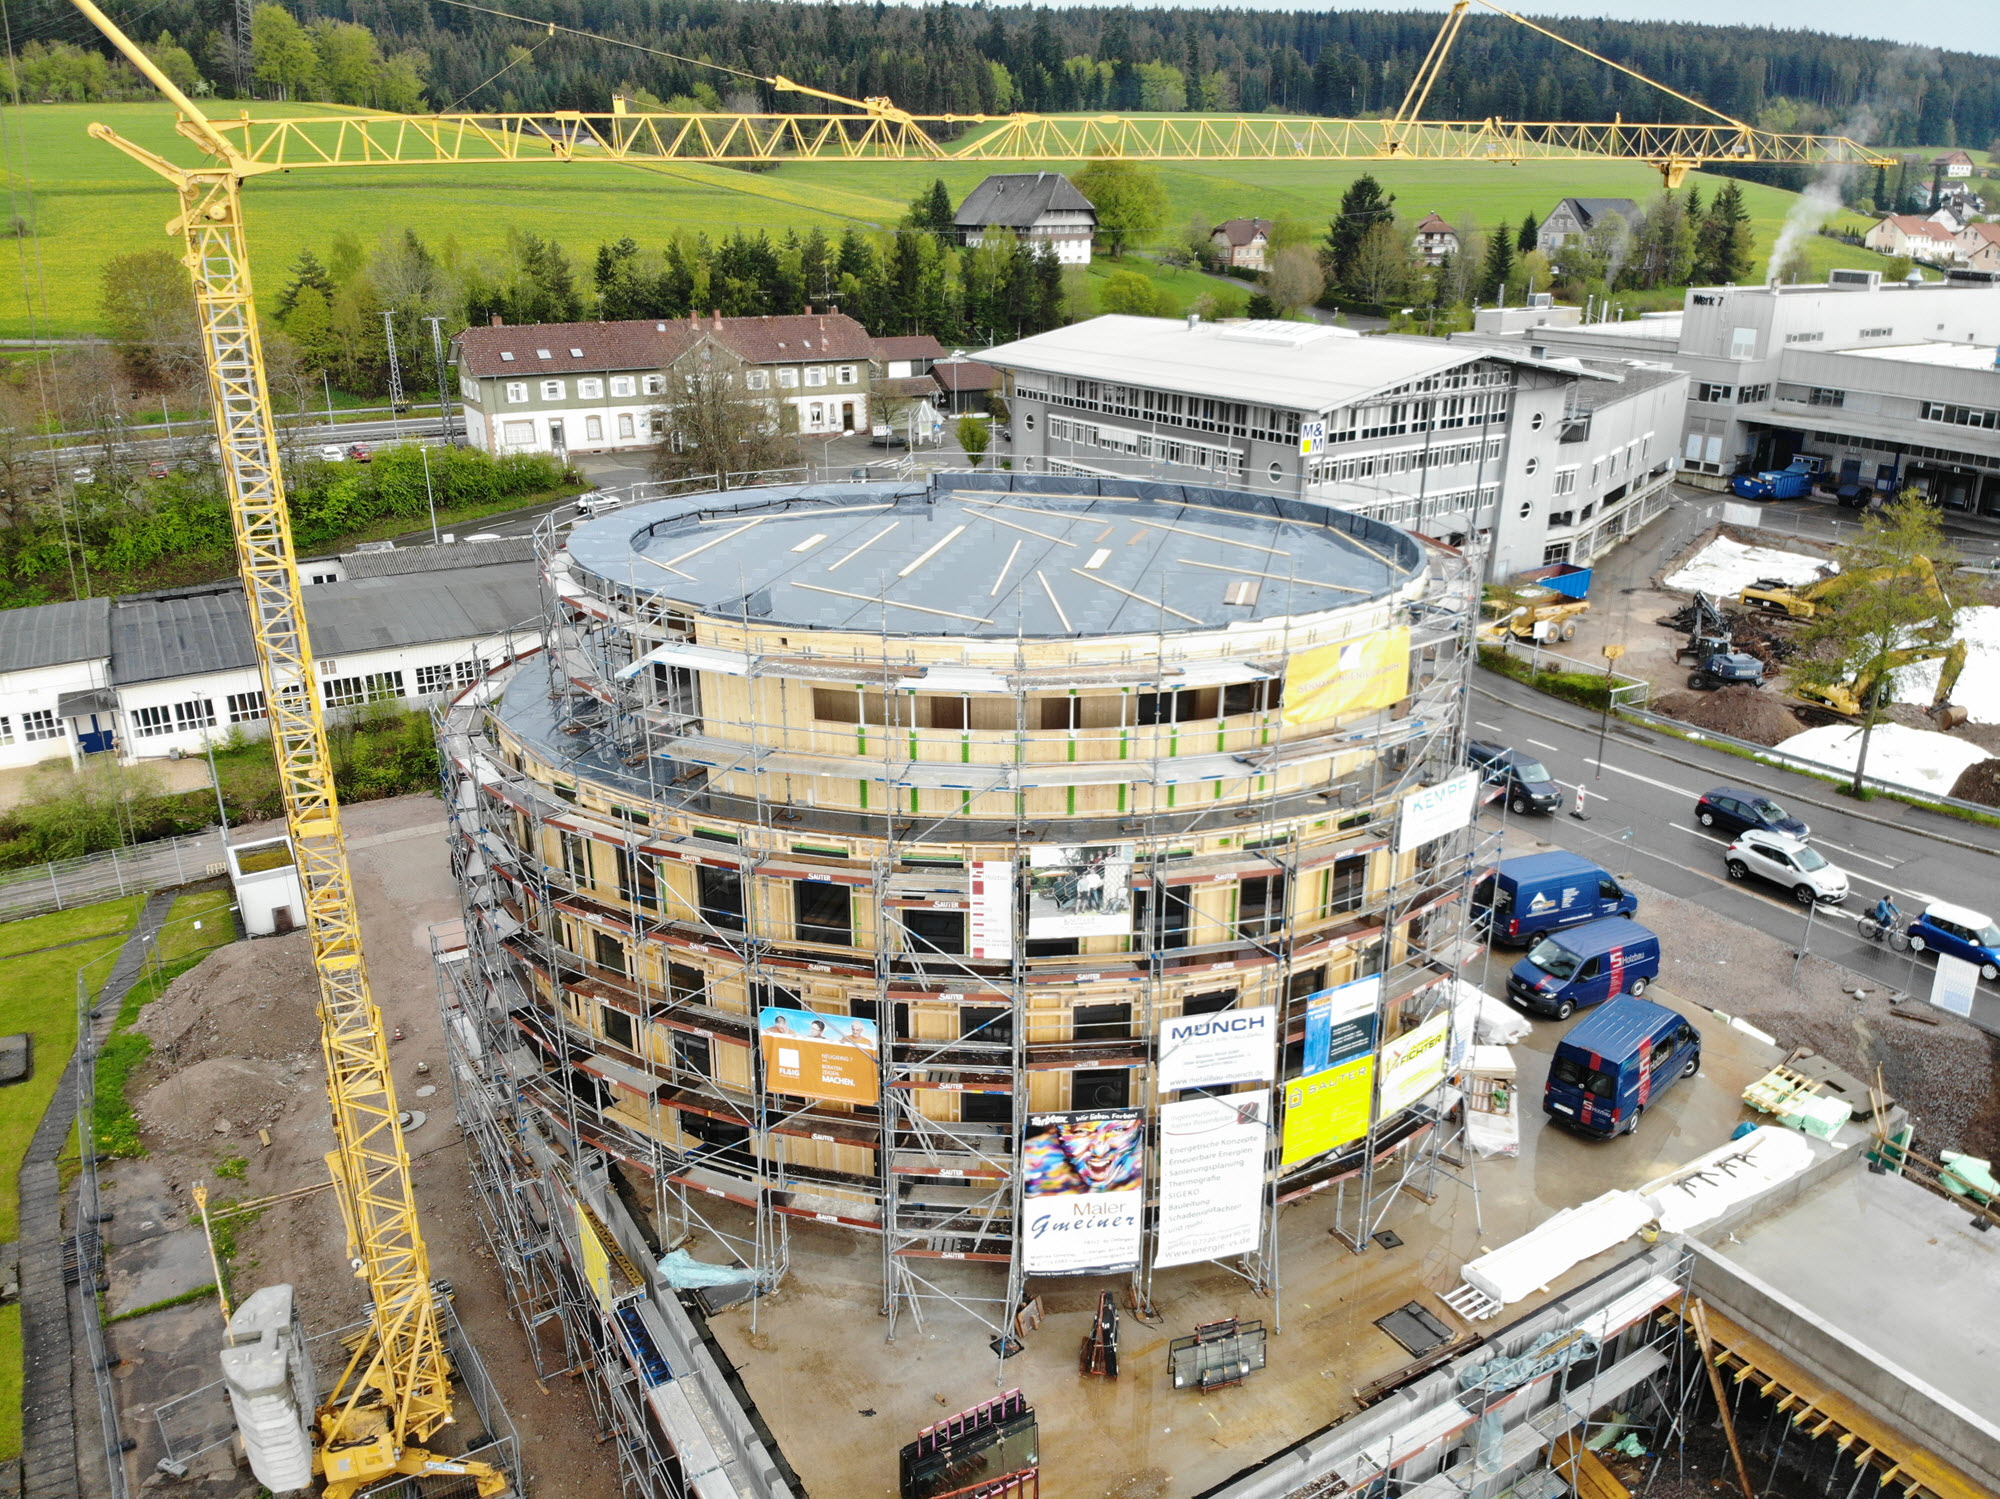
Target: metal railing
x=115, y=872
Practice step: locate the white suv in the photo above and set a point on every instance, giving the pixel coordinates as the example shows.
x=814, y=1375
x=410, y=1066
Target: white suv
x=1785, y=860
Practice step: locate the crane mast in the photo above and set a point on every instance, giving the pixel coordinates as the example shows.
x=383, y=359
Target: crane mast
x=395, y=1391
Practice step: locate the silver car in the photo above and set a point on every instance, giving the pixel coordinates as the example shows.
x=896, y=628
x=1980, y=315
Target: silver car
x=1785, y=860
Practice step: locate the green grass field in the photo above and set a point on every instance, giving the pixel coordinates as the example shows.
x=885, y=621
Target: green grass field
x=92, y=203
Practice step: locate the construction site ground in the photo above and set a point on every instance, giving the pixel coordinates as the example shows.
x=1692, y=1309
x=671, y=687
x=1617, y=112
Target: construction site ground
x=1628, y=596
x=237, y=1051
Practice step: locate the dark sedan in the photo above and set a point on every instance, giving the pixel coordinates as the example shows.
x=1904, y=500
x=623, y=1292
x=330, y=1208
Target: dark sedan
x=1727, y=810
x=1528, y=784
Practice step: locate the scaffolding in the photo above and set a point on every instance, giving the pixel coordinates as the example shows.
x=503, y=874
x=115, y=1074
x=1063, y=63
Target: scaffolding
x=622, y=831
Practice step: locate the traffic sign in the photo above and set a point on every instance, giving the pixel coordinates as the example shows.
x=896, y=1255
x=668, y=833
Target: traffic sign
x=1613, y=652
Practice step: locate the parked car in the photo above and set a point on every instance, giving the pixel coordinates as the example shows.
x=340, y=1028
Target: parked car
x=157, y=469
x=1960, y=932
x=360, y=452
x=1528, y=784
x=1784, y=860
x=595, y=502
x=1538, y=893
x=1727, y=810
x=1570, y=971
x=331, y=452
x=1611, y=1068
x=888, y=437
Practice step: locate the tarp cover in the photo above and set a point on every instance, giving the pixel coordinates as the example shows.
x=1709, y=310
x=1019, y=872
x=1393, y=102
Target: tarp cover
x=1709, y=1186
x=1545, y=1252
x=684, y=1272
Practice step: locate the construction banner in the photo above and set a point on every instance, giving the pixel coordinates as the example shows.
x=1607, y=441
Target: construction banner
x=811, y=1055
x=1327, y=1110
x=1414, y=1063
x=1348, y=676
x=596, y=1263
x=1340, y=1023
x=1083, y=1193
x=1212, y=1177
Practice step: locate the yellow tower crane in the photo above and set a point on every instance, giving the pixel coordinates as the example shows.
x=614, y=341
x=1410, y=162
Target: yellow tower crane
x=394, y=1393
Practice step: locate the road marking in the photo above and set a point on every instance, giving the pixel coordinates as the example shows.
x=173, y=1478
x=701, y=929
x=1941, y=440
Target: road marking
x=1549, y=747
x=1648, y=780
x=1480, y=723
x=1855, y=852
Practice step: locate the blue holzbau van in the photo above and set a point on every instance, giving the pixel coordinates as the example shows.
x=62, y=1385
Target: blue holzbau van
x=1611, y=1067
x=1539, y=893
x=1570, y=971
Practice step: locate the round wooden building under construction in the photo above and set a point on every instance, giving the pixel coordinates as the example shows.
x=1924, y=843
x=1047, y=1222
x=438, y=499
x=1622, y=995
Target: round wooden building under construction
x=1030, y=875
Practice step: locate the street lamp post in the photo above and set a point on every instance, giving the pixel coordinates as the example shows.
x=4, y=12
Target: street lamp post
x=1611, y=655
x=430, y=495
x=826, y=452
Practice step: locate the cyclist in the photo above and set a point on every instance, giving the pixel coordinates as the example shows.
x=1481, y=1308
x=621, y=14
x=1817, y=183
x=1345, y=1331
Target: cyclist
x=1886, y=914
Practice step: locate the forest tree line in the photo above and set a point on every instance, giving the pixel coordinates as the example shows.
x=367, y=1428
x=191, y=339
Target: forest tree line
x=987, y=59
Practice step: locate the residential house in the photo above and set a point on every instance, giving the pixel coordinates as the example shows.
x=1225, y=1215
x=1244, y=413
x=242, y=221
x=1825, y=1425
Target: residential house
x=1948, y=216
x=150, y=675
x=1979, y=247
x=1574, y=216
x=601, y=387
x=1913, y=235
x=1954, y=164
x=900, y=358
x=1040, y=207
x=1436, y=239
x=1244, y=244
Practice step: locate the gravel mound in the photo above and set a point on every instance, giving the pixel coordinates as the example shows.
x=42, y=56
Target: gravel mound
x=204, y=1012
x=1751, y=713
x=1979, y=783
x=223, y=1096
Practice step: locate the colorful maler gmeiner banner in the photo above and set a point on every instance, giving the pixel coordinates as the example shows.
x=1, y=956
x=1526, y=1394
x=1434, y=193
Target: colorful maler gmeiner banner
x=1348, y=676
x=820, y=1056
x=1212, y=1177
x=1414, y=1063
x=1083, y=1193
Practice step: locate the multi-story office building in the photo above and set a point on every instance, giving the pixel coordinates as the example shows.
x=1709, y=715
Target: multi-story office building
x=878, y=858
x=1892, y=384
x=1459, y=442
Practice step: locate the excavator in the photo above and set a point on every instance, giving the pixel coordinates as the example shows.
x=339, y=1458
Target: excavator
x=1849, y=700
x=1801, y=601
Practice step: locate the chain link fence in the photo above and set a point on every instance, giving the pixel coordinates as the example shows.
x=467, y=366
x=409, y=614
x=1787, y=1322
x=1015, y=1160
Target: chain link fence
x=120, y=871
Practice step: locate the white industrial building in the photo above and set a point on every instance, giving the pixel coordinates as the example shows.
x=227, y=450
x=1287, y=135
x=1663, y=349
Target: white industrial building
x=150, y=676
x=1545, y=459
x=1892, y=384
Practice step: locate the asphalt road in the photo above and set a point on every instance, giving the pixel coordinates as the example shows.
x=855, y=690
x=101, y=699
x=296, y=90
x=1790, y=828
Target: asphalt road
x=1640, y=821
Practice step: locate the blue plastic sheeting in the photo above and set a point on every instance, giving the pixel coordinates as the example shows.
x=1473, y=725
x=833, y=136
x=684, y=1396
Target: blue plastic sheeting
x=684, y=1272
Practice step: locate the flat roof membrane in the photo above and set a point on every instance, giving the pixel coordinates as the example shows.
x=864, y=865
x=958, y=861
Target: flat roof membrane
x=960, y=559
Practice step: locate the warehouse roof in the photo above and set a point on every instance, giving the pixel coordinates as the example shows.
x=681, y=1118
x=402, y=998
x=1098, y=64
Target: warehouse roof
x=995, y=555
x=1292, y=366
x=372, y=614
x=180, y=635
x=52, y=634
x=431, y=559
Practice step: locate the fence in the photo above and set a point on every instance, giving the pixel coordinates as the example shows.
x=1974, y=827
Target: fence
x=119, y=871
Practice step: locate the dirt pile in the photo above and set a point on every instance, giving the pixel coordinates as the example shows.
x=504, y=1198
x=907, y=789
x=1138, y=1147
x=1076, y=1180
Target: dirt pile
x=224, y=1097
x=249, y=999
x=1751, y=713
x=1979, y=783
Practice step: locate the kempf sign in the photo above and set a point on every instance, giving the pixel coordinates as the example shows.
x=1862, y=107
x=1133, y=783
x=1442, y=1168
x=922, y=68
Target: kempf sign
x=1433, y=811
x=1210, y=1051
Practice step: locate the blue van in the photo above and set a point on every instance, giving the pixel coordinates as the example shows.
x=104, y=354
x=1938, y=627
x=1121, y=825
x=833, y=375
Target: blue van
x=1611, y=1067
x=1577, y=969
x=1539, y=893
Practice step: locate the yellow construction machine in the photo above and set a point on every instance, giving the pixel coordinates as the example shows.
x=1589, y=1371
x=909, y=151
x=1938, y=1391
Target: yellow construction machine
x=1849, y=699
x=1529, y=608
x=1801, y=601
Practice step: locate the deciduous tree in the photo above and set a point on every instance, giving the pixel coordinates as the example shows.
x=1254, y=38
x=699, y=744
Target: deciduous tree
x=1130, y=202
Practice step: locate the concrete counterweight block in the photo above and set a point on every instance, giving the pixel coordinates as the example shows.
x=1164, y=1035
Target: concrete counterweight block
x=257, y=1367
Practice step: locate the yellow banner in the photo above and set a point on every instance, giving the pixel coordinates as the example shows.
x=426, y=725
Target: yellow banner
x=1329, y=1109
x=1348, y=676
x=596, y=1263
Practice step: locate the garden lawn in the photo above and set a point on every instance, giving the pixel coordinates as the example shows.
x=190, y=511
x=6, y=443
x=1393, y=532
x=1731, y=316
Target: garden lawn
x=90, y=203
x=60, y=927
x=38, y=995
x=179, y=937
